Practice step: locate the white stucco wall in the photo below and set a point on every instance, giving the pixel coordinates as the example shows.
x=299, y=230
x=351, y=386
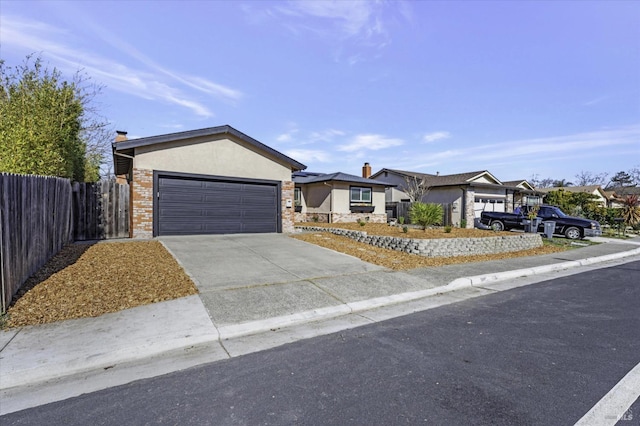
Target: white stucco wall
x=317, y=198
x=342, y=198
x=452, y=195
x=221, y=157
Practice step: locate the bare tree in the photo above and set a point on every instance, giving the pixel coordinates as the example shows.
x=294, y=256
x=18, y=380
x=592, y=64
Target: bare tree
x=415, y=188
x=635, y=175
x=541, y=183
x=586, y=178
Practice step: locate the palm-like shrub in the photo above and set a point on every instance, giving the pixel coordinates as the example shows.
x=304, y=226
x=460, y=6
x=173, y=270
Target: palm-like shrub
x=631, y=210
x=425, y=214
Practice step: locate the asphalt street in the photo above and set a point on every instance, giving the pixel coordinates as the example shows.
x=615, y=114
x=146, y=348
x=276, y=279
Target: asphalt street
x=540, y=354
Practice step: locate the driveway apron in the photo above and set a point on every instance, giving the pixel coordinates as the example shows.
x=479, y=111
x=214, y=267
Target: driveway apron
x=249, y=277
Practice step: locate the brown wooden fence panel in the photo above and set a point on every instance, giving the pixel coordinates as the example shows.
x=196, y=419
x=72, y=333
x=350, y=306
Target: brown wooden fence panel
x=35, y=223
x=100, y=210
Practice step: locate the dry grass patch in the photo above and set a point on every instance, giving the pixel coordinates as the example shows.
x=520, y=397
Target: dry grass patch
x=85, y=280
x=398, y=260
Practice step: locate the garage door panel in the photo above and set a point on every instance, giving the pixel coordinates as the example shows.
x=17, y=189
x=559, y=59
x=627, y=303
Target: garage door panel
x=209, y=206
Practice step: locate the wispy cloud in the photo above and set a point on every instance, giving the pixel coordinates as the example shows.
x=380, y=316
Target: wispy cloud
x=152, y=82
x=351, y=26
x=309, y=155
x=595, y=101
x=521, y=152
x=370, y=142
x=293, y=135
x=436, y=136
x=328, y=135
x=350, y=18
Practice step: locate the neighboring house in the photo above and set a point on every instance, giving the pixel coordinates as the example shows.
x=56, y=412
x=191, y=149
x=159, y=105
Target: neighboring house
x=524, y=193
x=601, y=199
x=618, y=194
x=208, y=181
x=468, y=194
x=338, y=197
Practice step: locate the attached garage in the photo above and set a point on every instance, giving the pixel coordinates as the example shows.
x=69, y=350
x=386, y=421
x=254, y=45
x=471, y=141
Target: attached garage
x=189, y=204
x=208, y=181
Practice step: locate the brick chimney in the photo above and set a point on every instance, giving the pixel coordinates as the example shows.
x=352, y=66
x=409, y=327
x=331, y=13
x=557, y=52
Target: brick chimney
x=121, y=136
x=366, y=171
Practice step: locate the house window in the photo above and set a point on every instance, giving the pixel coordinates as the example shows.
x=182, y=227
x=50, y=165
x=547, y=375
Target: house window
x=360, y=195
x=297, y=198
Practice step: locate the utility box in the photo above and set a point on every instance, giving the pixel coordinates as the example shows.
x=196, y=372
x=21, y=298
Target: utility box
x=549, y=228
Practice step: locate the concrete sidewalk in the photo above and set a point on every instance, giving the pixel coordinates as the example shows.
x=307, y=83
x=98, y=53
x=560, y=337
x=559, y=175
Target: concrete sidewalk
x=52, y=362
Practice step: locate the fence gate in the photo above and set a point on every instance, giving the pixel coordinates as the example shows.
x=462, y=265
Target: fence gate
x=100, y=210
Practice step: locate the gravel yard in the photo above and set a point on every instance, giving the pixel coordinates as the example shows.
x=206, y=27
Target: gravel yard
x=88, y=280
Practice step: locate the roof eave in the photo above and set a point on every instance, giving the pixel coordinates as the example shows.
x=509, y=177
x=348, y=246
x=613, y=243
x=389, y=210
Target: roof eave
x=210, y=131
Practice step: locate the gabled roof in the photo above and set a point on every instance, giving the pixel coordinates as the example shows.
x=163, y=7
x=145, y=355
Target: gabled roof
x=442, y=180
x=123, y=152
x=625, y=190
x=311, y=177
x=519, y=184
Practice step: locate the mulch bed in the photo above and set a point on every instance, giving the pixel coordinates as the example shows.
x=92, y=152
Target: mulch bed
x=88, y=280
x=398, y=260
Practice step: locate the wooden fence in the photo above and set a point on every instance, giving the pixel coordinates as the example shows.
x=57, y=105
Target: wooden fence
x=35, y=223
x=100, y=210
x=39, y=215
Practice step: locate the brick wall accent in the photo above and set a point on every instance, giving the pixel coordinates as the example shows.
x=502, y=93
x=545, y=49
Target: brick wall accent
x=142, y=203
x=288, y=213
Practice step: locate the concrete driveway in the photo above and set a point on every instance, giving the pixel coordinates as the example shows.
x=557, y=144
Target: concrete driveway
x=249, y=277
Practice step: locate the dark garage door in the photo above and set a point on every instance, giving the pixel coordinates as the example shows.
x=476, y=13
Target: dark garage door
x=188, y=206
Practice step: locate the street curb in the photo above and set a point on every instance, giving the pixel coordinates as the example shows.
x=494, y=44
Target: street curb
x=259, y=326
x=158, y=339
x=479, y=280
x=218, y=333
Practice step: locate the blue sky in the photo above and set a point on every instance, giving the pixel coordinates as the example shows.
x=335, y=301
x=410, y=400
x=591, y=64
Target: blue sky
x=519, y=88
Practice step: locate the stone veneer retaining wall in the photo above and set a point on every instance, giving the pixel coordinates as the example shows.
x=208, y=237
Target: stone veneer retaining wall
x=440, y=247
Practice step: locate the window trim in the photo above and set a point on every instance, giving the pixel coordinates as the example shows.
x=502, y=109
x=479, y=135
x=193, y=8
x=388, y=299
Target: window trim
x=297, y=196
x=360, y=201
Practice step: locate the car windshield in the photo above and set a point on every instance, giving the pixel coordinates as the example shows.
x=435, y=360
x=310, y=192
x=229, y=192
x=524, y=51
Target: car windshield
x=557, y=211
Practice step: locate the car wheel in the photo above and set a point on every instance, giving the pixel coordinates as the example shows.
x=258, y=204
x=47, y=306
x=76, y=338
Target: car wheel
x=496, y=225
x=573, y=233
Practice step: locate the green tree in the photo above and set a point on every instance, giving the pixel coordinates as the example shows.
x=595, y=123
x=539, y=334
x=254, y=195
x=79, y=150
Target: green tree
x=562, y=183
x=47, y=124
x=631, y=210
x=560, y=198
x=622, y=179
x=425, y=214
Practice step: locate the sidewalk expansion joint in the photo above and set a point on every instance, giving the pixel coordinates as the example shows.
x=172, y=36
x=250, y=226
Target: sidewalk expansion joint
x=10, y=340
